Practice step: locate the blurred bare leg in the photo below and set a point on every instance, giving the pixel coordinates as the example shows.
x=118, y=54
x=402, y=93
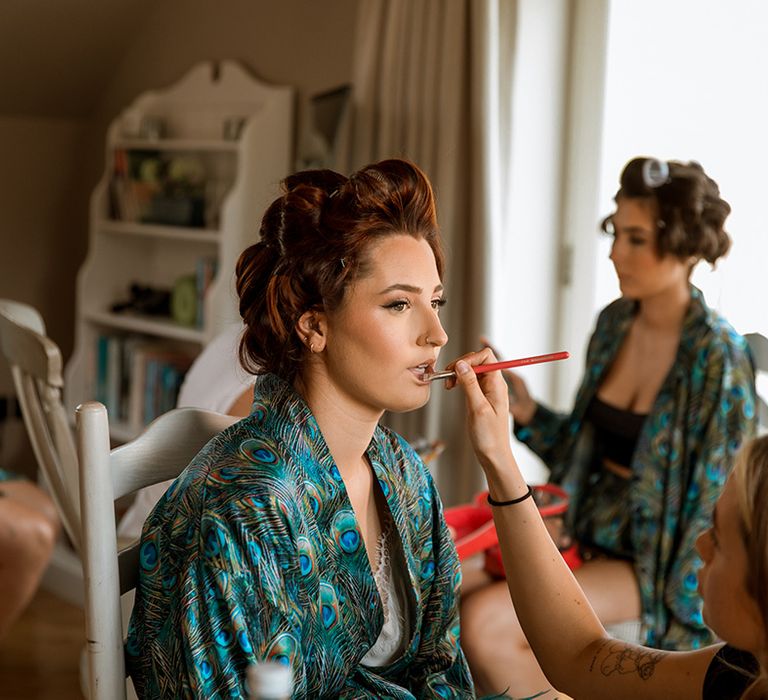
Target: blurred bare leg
x=28, y=531
x=496, y=648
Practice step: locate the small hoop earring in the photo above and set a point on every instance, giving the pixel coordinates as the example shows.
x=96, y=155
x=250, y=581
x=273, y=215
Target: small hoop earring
x=312, y=347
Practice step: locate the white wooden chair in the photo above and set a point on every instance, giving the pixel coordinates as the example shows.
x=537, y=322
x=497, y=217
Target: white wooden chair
x=758, y=344
x=36, y=367
x=161, y=452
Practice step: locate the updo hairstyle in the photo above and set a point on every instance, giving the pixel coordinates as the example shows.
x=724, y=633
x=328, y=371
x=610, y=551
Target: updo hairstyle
x=314, y=243
x=691, y=211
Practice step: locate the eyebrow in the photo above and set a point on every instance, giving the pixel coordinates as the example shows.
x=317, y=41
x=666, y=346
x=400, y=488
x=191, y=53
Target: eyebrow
x=408, y=288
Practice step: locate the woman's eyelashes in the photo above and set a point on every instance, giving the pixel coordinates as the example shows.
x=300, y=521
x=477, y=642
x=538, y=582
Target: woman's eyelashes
x=439, y=303
x=400, y=305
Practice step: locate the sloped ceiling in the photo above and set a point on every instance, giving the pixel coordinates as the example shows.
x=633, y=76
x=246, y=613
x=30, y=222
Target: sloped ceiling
x=56, y=56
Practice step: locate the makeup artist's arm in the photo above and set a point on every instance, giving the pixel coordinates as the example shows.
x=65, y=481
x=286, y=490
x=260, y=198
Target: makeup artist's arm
x=574, y=651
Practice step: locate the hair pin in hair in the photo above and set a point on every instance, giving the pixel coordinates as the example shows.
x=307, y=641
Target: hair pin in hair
x=655, y=172
x=333, y=194
x=343, y=262
x=376, y=175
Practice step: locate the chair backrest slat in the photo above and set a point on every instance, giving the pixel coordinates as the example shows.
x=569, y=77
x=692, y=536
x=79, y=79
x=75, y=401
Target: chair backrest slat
x=99, y=553
x=31, y=350
x=36, y=368
x=161, y=452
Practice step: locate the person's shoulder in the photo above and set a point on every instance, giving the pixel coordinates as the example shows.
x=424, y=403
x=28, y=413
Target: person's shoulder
x=617, y=311
x=231, y=485
x=713, y=332
x=729, y=674
x=247, y=456
x=612, y=320
x=240, y=462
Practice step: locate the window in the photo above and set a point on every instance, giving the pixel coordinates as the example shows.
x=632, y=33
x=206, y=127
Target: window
x=686, y=80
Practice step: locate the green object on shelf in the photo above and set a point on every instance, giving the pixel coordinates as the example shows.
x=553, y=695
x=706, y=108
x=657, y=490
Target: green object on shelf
x=184, y=301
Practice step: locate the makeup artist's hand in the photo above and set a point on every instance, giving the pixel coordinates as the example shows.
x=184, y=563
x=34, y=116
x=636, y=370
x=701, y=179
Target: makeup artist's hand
x=521, y=403
x=487, y=407
x=522, y=406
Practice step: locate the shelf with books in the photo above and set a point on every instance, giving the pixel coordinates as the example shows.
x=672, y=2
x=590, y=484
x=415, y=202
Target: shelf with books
x=188, y=173
x=137, y=377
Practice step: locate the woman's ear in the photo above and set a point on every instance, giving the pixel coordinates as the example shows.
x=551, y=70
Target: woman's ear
x=311, y=328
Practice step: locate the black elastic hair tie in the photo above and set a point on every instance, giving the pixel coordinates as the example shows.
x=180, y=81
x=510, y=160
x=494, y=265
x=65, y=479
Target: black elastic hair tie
x=513, y=501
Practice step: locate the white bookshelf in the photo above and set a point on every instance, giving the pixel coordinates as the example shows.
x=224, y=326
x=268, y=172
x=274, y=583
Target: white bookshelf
x=242, y=169
x=176, y=233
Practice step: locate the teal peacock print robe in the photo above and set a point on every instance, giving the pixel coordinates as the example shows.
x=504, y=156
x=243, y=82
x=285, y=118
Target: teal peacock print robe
x=704, y=411
x=254, y=553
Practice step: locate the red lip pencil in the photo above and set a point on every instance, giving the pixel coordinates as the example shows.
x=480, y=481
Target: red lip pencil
x=506, y=364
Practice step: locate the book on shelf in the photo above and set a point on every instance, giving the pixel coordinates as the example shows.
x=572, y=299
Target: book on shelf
x=100, y=369
x=132, y=191
x=138, y=379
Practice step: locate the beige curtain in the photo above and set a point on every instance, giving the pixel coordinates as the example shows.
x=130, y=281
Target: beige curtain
x=432, y=83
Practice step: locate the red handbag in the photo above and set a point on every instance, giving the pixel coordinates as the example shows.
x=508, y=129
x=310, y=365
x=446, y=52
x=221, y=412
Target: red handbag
x=474, y=530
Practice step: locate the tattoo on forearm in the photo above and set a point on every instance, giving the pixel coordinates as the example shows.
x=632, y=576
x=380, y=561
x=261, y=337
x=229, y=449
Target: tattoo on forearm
x=616, y=657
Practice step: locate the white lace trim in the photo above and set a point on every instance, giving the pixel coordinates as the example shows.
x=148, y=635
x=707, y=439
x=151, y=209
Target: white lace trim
x=392, y=637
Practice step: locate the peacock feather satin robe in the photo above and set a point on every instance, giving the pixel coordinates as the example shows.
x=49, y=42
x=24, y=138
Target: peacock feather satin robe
x=254, y=553
x=703, y=413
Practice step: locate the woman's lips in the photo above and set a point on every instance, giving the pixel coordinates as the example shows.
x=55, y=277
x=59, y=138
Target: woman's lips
x=422, y=370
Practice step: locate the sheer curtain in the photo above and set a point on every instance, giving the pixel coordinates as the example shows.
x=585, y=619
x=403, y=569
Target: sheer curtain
x=433, y=83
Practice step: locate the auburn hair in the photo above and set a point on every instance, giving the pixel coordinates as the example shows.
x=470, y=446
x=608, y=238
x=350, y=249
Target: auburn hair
x=314, y=242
